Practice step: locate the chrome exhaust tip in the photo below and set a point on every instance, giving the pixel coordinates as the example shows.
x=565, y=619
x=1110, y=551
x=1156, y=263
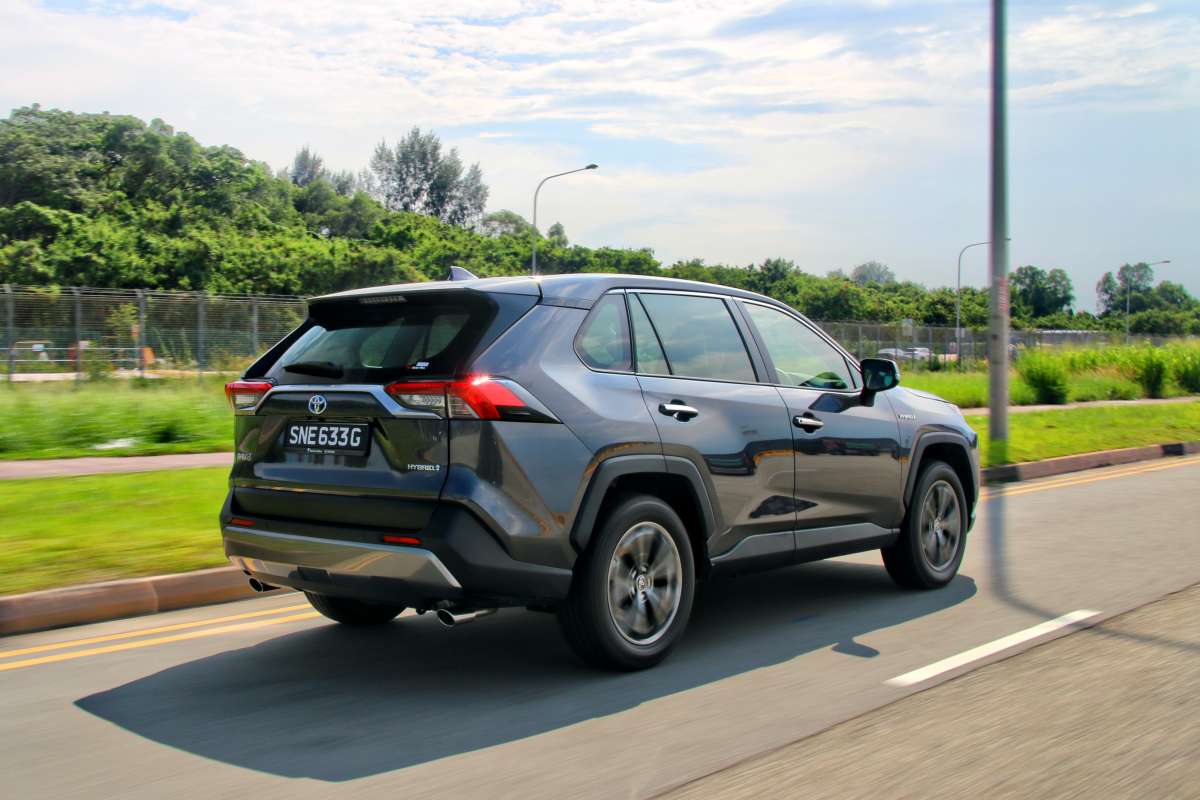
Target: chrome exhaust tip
x=261, y=587
x=451, y=618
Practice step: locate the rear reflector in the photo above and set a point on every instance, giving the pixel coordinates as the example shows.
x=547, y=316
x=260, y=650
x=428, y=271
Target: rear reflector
x=475, y=397
x=402, y=540
x=243, y=395
x=241, y=522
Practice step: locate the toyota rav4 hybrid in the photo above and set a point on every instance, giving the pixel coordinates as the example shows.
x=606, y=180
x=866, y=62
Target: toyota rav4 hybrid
x=589, y=445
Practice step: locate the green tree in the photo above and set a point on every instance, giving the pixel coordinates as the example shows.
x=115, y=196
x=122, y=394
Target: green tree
x=306, y=168
x=1036, y=292
x=1132, y=284
x=872, y=272
x=415, y=175
x=557, y=235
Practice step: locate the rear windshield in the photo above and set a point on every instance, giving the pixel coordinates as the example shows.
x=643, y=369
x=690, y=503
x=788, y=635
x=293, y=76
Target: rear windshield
x=376, y=340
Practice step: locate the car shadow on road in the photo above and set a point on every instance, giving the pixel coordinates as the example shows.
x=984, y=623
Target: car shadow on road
x=335, y=704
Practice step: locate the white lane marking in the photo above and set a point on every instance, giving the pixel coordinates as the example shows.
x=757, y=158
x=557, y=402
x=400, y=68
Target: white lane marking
x=991, y=648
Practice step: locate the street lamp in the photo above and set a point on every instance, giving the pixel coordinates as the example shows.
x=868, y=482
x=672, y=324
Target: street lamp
x=1129, y=293
x=533, y=263
x=958, y=304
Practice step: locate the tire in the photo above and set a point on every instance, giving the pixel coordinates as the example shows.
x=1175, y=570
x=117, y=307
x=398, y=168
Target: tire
x=353, y=612
x=632, y=592
x=933, y=537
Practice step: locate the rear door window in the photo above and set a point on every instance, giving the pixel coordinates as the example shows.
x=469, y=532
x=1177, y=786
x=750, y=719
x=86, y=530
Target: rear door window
x=648, y=350
x=699, y=337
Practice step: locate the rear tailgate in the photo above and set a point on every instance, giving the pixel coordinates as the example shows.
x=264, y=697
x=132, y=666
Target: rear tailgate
x=323, y=441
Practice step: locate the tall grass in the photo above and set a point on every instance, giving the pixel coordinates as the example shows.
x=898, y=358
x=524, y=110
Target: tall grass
x=114, y=417
x=1046, y=375
x=1186, y=369
x=1099, y=373
x=1150, y=370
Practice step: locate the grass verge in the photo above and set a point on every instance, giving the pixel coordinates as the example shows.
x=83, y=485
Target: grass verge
x=61, y=531
x=1038, y=435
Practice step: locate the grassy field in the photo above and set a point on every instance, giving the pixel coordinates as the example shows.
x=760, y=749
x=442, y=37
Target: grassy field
x=60, y=531
x=114, y=418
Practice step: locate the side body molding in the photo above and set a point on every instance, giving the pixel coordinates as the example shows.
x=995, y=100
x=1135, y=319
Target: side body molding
x=609, y=470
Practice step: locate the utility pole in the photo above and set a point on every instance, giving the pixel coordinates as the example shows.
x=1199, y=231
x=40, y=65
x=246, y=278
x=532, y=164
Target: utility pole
x=141, y=333
x=11, y=338
x=533, y=258
x=998, y=333
x=958, y=305
x=78, y=334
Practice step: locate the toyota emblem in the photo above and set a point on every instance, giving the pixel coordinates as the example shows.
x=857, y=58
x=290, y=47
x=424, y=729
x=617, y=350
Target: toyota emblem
x=317, y=404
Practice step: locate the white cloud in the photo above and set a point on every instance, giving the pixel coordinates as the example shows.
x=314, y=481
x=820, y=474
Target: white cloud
x=795, y=123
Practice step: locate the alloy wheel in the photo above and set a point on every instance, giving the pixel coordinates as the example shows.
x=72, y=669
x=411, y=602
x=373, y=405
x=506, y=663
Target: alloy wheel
x=645, y=583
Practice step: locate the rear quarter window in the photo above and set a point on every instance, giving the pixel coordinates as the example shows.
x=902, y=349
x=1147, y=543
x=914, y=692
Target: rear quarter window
x=603, y=340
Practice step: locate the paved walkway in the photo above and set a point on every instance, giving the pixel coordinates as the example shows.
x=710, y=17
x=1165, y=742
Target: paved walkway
x=63, y=467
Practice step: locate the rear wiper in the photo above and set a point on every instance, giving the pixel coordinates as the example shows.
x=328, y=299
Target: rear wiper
x=324, y=369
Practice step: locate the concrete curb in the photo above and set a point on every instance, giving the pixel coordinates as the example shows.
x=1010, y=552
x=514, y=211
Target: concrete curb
x=98, y=602
x=1104, y=458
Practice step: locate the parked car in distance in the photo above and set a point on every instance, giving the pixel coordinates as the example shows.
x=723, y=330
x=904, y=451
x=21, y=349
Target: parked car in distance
x=588, y=445
x=905, y=353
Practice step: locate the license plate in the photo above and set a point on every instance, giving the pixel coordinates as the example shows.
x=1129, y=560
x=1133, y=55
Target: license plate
x=328, y=438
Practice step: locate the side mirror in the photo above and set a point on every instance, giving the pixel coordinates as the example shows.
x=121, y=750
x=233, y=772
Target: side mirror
x=879, y=374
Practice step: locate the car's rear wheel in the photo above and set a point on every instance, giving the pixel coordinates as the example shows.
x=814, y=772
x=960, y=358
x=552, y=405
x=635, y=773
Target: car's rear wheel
x=353, y=612
x=933, y=537
x=632, y=592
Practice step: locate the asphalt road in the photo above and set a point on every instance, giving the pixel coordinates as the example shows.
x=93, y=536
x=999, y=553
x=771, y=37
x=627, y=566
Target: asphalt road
x=264, y=699
x=1111, y=712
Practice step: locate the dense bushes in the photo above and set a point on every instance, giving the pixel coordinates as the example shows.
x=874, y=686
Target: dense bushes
x=1187, y=369
x=1046, y=375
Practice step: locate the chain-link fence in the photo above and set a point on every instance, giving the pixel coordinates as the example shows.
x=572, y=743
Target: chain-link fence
x=937, y=346
x=78, y=331
x=72, y=332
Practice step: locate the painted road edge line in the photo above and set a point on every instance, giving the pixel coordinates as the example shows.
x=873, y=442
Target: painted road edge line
x=992, y=648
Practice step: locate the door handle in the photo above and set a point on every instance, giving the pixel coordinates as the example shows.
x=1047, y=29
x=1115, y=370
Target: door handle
x=809, y=424
x=678, y=409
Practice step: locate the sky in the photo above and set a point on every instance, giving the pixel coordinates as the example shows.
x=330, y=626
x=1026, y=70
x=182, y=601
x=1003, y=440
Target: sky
x=827, y=132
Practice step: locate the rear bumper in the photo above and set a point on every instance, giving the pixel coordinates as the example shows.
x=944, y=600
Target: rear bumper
x=303, y=562
x=459, y=561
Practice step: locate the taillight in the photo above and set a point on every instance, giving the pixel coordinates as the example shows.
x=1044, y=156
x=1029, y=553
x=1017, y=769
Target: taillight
x=244, y=395
x=475, y=397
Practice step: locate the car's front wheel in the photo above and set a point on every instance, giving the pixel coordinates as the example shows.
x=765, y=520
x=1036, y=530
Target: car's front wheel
x=933, y=537
x=632, y=592
x=348, y=611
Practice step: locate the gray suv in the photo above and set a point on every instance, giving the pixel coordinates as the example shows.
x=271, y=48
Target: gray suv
x=588, y=445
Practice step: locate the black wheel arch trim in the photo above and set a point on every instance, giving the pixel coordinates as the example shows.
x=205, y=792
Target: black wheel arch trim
x=923, y=441
x=609, y=470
